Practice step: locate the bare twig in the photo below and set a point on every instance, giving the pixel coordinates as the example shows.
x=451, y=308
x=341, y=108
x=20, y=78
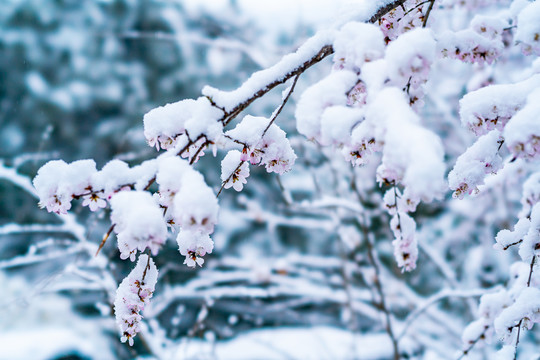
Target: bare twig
x=428, y=12
x=229, y=178
x=105, y=237
x=521, y=321
x=278, y=111
x=473, y=343
x=416, y=7
x=378, y=286
x=385, y=9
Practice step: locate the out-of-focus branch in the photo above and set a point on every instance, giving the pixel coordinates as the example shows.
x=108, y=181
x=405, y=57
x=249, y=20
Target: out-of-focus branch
x=444, y=294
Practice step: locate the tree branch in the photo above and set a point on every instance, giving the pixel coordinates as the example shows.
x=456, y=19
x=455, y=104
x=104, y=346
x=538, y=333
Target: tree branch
x=385, y=9
x=230, y=112
x=426, y=17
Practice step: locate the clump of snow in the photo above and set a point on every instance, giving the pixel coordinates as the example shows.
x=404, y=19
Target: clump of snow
x=506, y=238
x=530, y=247
x=472, y=166
x=531, y=193
x=337, y=123
x=163, y=126
x=111, y=176
x=492, y=107
x=195, y=206
x=228, y=100
x=58, y=182
x=138, y=223
x=234, y=171
x=526, y=309
x=409, y=58
x=264, y=144
x=194, y=245
x=412, y=155
x=528, y=29
x=357, y=43
x=330, y=91
x=171, y=171
x=522, y=133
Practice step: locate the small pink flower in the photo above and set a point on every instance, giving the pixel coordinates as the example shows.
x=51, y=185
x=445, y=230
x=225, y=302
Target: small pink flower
x=238, y=178
x=94, y=202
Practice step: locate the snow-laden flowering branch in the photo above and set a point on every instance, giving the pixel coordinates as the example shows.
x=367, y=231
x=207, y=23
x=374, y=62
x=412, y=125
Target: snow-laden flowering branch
x=366, y=111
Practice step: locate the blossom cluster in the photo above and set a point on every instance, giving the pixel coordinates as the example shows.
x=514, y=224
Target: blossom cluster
x=367, y=105
x=491, y=107
x=405, y=244
x=403, y=18
x=472, y=166
x=138, y=223
x=235, y=169
x=522, y=133
x=183, y=122
x=262, y=143
x=189, y=204
x=503, y=115
x=528, y=30
x=58, y=183
x=505, y=310
x=481, y=43
x=133, y=295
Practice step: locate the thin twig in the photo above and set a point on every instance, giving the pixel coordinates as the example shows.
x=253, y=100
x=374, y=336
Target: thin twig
x=378, y=286
x=385, y=9
x=105, y=237
x=531, y=269
x=512, y=244
x=194, y=158
x=473, y=343
x=416, y=7
x=428, y=12
x=278, y=111
x=229, y=178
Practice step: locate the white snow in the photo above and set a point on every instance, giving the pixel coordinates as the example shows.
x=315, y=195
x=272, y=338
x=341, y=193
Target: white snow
x=330, y=91
x=528, y=29
x=261, y=79
x=522, y=133
x=357, y=43
x=492, y=106
x=138, y=223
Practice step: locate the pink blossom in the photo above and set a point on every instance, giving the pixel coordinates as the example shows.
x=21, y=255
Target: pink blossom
x=94, y=202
